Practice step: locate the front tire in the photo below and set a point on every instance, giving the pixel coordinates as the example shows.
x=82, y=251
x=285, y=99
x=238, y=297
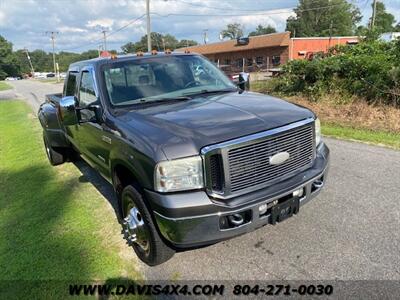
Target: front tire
x=140, y=229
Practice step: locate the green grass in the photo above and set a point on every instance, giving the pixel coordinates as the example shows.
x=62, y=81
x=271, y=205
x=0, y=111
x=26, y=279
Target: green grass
x=53, y=225
x=4, y=86
x=383, y=138
x=50, y=80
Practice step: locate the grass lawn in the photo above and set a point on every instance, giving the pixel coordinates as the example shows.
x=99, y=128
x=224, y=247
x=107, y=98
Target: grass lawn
x=53, y=225
x=383, y=138
x=4, y=86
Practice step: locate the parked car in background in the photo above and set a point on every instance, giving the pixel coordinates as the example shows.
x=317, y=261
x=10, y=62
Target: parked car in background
x=50, y=75
x=12, y=78
x=193, y=159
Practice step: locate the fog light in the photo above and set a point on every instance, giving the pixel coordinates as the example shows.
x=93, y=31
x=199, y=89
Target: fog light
x=263, y=208
x=298, y=193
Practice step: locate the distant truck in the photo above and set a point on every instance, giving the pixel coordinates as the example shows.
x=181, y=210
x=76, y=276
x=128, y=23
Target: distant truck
x=193, y=158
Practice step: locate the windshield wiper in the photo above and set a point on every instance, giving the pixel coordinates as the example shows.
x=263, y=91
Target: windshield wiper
x=206, y=92
x=156, y=100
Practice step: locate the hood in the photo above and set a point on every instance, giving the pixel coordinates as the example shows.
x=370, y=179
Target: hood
x=183, y=128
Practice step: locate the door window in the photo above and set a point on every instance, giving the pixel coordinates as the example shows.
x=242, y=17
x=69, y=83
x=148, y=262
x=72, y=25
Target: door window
x=71, y=84
x=87, y=94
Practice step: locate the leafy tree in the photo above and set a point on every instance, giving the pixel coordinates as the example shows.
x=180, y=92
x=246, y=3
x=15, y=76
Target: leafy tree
x=186, y=43
x=383, y=23
x=7, y=67
x=324, y=18
x=158, y=42
x=383, y=20
x=260, y=30
x=232, y=31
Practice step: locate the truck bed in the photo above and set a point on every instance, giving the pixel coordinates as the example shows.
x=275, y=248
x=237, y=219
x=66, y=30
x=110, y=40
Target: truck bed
x=53, y=98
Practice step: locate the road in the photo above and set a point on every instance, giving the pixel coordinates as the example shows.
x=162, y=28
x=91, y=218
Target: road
x=351, y=231
x=32, y=91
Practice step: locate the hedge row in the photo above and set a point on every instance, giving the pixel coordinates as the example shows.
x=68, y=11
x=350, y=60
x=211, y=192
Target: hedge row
x=370, y=70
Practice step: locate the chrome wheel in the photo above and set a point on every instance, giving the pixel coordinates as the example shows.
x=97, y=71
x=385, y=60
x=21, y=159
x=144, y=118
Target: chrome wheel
x=134, y=226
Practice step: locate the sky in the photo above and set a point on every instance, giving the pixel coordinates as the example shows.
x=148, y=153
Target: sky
x=79, y=23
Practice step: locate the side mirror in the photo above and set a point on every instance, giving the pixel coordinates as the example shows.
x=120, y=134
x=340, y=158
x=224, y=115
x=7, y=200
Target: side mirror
x=243, y=83
x=68, y=111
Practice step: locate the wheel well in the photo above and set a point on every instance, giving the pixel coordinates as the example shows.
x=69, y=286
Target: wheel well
x=122, y=177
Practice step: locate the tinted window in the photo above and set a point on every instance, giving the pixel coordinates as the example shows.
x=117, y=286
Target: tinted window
x=86, y=90
x=71, y=84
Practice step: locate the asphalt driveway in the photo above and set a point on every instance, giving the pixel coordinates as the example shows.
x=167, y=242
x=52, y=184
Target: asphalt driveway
x=351, y=231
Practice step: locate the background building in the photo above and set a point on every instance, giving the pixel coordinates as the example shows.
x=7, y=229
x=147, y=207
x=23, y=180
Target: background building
x=266, y=52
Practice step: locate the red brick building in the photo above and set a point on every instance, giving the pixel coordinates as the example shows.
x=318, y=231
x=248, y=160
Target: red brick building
x=303, y=47
x=265, y=52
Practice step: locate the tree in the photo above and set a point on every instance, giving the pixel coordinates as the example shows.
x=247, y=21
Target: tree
x=6, y=59
x=158, y=41
x=260, y=30
x=232, y=31
x=383, y=20
x=323, y=18
x=186, y=43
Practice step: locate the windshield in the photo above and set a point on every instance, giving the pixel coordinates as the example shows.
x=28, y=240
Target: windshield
x=162, y=78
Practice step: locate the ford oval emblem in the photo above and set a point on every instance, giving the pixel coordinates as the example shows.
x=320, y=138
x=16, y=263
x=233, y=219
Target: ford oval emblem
x=279, y=158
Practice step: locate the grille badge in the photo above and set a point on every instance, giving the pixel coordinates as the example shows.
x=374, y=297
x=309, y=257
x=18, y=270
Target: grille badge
x=279, y=158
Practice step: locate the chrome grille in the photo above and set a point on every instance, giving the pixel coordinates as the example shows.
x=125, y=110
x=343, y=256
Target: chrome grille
x=249, y=165
x=242, y=165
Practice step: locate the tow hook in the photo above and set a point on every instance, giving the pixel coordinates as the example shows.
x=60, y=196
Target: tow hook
x=235, y=219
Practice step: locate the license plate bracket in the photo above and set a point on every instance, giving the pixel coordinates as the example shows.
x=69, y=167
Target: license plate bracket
x=285, y=210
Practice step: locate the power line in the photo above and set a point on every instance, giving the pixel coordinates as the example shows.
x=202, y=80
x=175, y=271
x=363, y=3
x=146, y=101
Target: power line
x=107, y=35
x=201, y=5
x=265, y=13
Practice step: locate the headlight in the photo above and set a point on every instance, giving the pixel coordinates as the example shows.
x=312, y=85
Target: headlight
x=317, y=131
x=179, y=174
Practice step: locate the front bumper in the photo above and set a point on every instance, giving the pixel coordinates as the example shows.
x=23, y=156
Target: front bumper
x=192, y=219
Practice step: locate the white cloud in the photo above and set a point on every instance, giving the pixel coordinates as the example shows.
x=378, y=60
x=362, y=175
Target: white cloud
x=104, y=23
x=24, y=22
x=65, y=29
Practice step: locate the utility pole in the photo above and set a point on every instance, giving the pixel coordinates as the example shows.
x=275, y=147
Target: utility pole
x=373, y=15
x=30, y=62
x=99, y=49
x=53, y=38
x=148, y=25
x=105, y=39
x=205, y=36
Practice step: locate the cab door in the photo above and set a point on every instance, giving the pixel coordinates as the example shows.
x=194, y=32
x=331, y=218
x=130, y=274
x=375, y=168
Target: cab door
x=94, y=141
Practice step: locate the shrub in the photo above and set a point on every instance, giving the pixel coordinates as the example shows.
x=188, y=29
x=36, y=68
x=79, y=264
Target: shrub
x=370, y=70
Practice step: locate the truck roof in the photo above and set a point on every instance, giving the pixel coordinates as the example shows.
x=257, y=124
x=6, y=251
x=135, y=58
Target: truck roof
x=98, y=61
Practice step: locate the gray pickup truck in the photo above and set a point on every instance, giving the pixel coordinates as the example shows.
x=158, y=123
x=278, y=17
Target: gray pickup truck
x=192, y=157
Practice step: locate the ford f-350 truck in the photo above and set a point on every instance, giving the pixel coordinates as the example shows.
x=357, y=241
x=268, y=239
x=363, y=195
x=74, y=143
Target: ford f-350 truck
x=193, y=158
